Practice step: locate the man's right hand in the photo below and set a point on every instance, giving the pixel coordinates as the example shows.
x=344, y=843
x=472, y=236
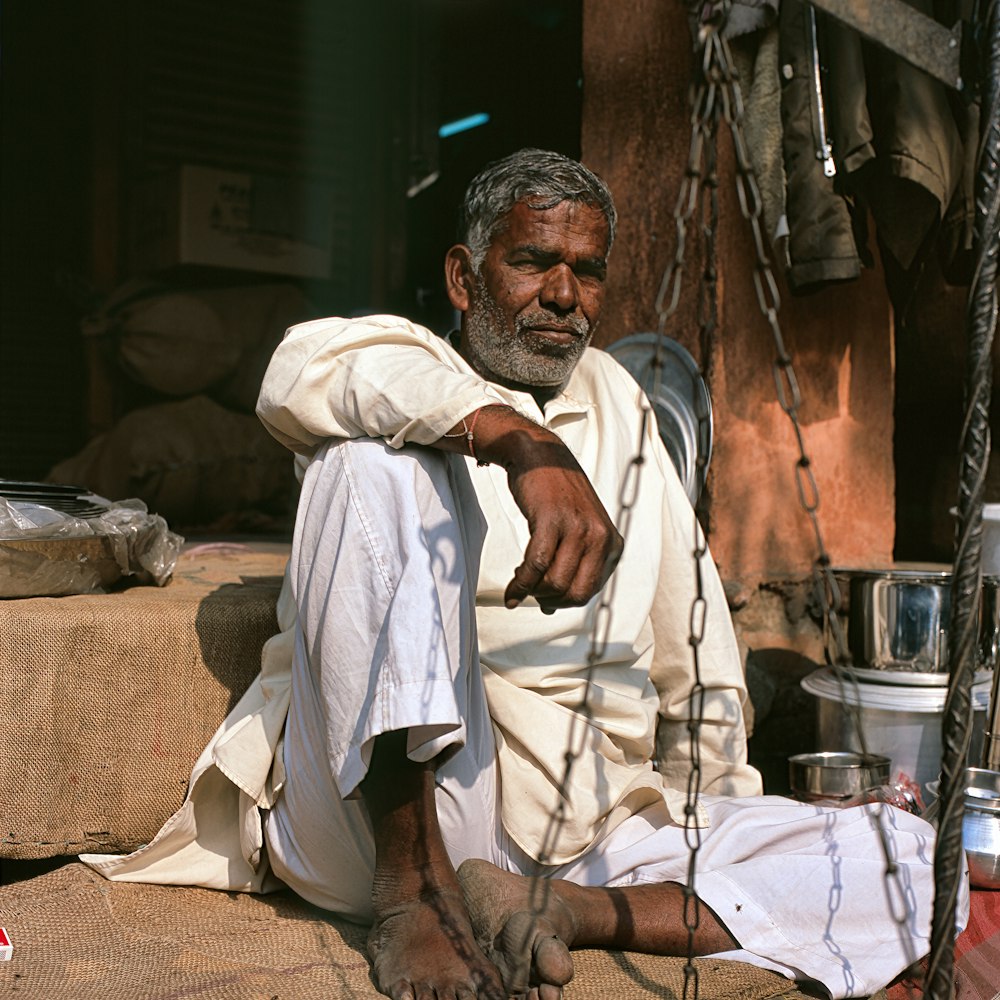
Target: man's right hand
x=574, y=546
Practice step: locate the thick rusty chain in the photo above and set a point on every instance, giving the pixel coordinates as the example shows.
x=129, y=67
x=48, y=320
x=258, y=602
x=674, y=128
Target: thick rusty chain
x=699, y=176
x=718, y=57
x=963, y=626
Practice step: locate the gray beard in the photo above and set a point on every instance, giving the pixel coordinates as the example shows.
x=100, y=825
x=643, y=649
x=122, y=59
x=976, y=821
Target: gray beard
x=521, y=358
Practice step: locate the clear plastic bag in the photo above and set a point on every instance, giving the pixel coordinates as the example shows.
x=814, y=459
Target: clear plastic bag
x=44, y=551
x=903, y=792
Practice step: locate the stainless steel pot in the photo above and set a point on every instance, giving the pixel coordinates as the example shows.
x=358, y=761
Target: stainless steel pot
x=981, y=827
x=897, y=620
x=901, y=721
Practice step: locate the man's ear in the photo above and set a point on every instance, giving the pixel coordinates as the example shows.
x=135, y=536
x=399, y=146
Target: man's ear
x=458, y=277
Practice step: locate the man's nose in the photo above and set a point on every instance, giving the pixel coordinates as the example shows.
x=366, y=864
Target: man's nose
x=560, y=289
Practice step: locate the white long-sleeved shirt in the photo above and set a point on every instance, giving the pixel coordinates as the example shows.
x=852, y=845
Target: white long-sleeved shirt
x=382, y=376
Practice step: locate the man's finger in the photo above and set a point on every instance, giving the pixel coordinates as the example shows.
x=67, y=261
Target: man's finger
x=527, y=577
x=579, y=571
x=587, y=582
x=564, y=569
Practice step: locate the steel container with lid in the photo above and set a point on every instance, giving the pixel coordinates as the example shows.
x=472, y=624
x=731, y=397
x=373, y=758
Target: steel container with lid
x=900, y=722
x=896, y=622
x=981, y=827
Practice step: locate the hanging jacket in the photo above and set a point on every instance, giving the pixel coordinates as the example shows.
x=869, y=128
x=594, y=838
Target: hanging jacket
x=903, y=146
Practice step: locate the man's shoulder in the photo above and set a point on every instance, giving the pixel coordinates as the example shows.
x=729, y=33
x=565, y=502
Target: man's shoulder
x=375, y=324
x=340, y=334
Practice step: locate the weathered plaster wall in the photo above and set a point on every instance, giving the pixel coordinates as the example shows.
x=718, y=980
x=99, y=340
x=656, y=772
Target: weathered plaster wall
x=637, y=59
x=636, y=56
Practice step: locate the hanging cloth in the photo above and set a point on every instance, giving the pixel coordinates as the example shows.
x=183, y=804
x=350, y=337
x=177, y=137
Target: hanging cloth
x=897, y=135
x=903, y=145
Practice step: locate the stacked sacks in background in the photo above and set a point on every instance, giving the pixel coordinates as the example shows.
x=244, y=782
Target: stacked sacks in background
x=186, y=368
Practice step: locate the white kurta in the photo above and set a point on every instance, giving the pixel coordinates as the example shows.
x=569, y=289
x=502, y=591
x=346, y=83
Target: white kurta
x=384, y=377
x=795, y=884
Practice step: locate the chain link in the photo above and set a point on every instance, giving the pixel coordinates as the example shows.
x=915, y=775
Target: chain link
x=715, y=97
x=709, y=104
x=825, y=586
x=599, y=635
x=539, y=894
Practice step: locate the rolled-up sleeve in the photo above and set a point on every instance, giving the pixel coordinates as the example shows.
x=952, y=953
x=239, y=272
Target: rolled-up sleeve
x=380, y=376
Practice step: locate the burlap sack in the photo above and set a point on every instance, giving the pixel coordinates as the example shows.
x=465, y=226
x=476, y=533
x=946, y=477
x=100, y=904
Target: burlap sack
x=107, y=700
x=78, y=937
x=215, y=340
x=193, y=461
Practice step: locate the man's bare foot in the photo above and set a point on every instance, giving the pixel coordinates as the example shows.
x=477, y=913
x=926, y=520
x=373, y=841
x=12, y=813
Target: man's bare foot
x=522, y=926
x=424, y=949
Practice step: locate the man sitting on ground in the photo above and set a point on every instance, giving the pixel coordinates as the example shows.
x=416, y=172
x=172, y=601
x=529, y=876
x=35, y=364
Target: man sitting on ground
x=468, y=755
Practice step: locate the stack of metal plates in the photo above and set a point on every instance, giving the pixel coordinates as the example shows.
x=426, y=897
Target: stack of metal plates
x=75, y=501
x=680, y=399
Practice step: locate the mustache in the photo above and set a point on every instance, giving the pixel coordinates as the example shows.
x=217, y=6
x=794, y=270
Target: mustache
x=542, y=318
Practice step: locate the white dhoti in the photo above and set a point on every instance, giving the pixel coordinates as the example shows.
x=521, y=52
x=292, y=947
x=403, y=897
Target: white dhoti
x=384, y=566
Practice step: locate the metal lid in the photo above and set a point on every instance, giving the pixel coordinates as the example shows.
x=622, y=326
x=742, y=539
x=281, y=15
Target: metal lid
x=823, y=683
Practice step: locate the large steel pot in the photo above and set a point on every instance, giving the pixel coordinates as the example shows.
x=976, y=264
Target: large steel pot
x=901, y=722
x=981, y=827
x=897, y=622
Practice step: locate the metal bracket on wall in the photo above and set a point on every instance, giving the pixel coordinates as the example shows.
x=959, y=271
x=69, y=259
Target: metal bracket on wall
x=907, y=33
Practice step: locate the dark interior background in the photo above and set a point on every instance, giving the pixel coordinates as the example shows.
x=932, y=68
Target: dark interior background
x=99, y=96
x=96, y=96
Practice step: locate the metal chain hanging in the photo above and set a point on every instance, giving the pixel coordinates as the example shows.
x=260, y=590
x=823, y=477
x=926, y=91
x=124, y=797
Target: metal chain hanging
x=600, y=632
x=708, y=309
x=700, y=175
x=716, y=95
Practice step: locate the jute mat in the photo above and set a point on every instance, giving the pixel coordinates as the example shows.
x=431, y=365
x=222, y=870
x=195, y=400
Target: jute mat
x=108, y=699
x=79, y=937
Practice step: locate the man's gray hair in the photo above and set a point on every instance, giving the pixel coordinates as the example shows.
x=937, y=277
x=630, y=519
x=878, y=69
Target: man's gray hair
x=538, y=176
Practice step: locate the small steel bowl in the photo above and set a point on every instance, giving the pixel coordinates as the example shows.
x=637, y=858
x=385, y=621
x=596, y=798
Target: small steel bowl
x=835, y=774
x=981, y=827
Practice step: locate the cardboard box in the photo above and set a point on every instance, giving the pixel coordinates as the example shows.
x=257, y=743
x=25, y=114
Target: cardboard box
x=225, y=218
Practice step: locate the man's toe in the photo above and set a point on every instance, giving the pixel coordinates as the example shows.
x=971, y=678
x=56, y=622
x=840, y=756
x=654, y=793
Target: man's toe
x=553, y=964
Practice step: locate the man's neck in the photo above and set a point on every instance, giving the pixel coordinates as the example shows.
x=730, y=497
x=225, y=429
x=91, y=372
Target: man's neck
x=541, y=394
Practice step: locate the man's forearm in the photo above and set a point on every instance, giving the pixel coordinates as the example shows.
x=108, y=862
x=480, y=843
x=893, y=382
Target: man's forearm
x=366, y=378
x=574, y=546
